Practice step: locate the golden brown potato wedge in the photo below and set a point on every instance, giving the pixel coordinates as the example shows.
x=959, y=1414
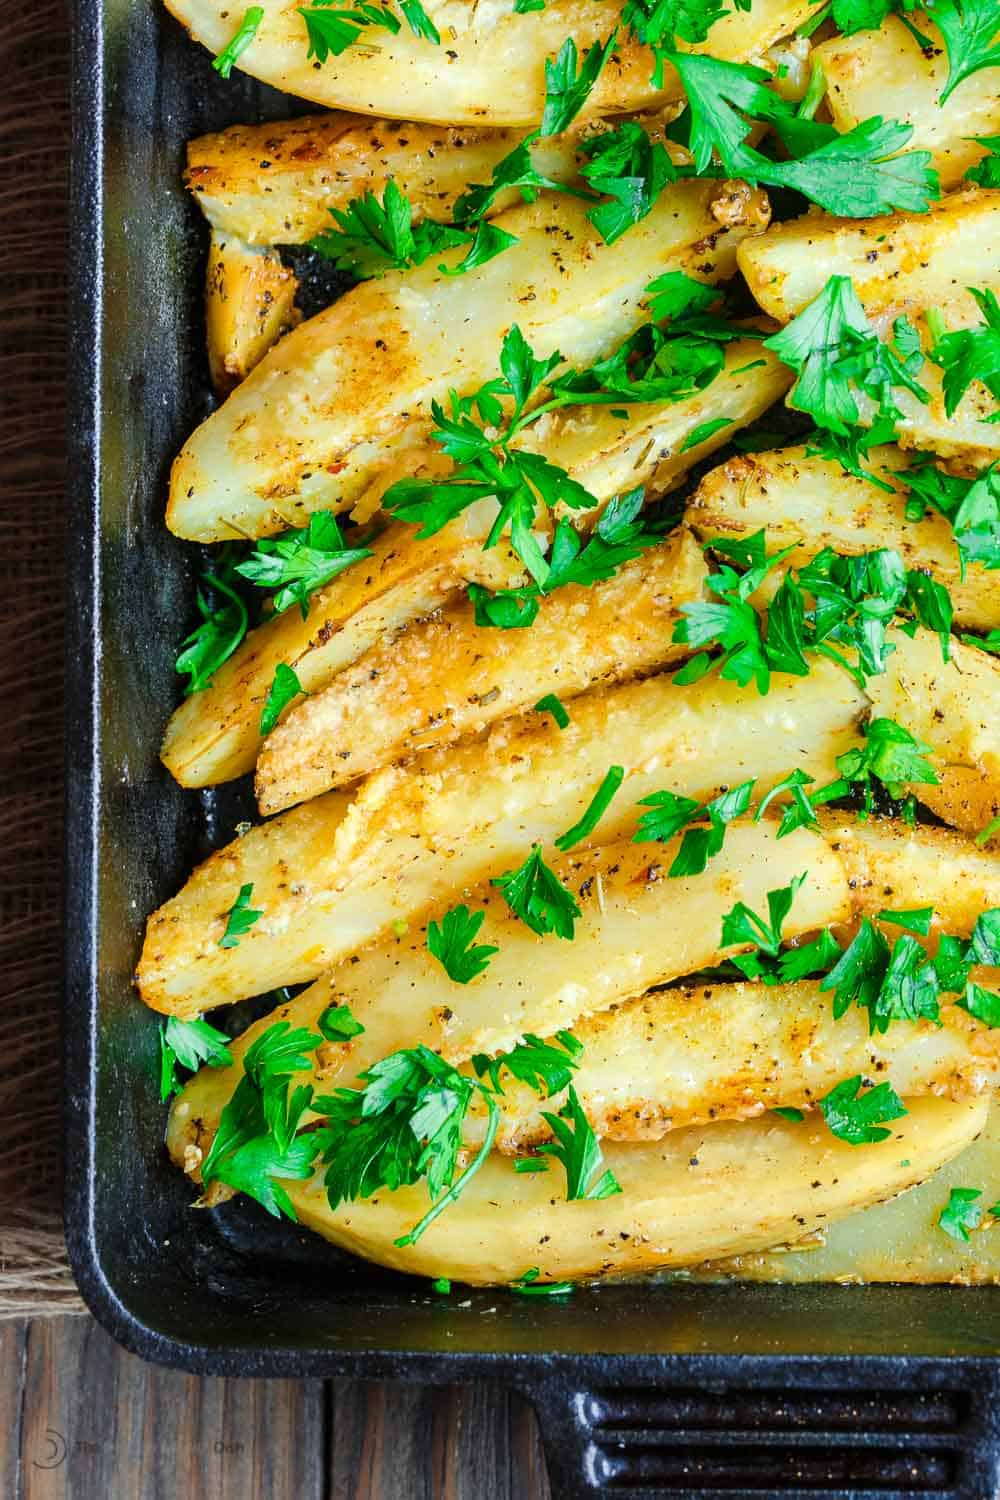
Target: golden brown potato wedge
x=711, y=1190
x=333, y=874
x=900, y=1240
x=955, y=707
x=892, y=866
x=275, y=184
x=350, y=390
x=215, y=734
x=489, y=68
x=886, y=72
x=446, y=677
x=637, y=928
x=688, y=1056
x=249, y=305
x=899, y=263
x=813, y=501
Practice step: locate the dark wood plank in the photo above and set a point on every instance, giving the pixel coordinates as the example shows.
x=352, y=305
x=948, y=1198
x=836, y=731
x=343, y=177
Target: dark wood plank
x=408, y=1442
x=93, y=1421
x=81, y=1419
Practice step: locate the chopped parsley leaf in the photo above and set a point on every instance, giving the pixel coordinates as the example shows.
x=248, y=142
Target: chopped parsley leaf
x=857, y=1116
x=962, y=1212
x=452, y=943
x=577, y=1148
x=285, y=686
x=538, y=897
x=550, y=704
x=669, y=813
x=240, y=918
x=593, y=814
x=547, y=1067
x=337, y=1024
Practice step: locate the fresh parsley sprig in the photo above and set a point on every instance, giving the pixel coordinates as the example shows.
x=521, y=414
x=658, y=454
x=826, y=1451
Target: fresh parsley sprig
x=373, y=237
x=968, y=355
x=963, y=1212
x=538, y=897
x=285, y=686
x=986, y=173
x=631, y=171
x=971, y=505
x=569, y=82
x=301, y=561
x=478, y=433
x=890, y=755
x=257, y=1144
x=767, y=960
x=854, y=600
x=859, y=173
x=188, y=1044
x=836, y=354
x=222, y=629
x=546, y=1067
x=404, y=1125
x=621, y=534
x=669, y=813
x=332, y=29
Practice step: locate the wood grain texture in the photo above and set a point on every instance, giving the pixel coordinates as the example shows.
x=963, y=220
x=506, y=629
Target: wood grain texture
x=92, y=1421
x=403, y=1442
x=82, y=1420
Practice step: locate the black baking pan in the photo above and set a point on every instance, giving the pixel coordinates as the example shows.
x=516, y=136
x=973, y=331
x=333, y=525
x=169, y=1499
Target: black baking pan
x=676, y=1389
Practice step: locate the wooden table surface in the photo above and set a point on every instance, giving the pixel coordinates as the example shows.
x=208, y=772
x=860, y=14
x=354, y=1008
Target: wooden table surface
x=82, y=1420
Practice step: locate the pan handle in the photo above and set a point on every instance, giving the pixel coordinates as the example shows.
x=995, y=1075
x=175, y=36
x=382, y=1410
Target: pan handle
x=643, y=1441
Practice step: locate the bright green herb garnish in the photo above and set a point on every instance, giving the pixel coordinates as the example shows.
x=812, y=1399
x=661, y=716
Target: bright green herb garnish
x=240, y=918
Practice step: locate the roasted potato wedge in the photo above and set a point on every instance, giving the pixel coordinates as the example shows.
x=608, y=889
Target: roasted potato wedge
x=899, y=263
x=249, y=305
x=333, y=874
x=684, y=1199
x=637, y=928
x=489, y=69
x=350, y=390
x=900, y=1240
x=892, y=866
x=275, y=184
x=815, y=502
x=955, y=707
x=688, y=1056
x=215, y=734
x=446, y=677
x=886, y=72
